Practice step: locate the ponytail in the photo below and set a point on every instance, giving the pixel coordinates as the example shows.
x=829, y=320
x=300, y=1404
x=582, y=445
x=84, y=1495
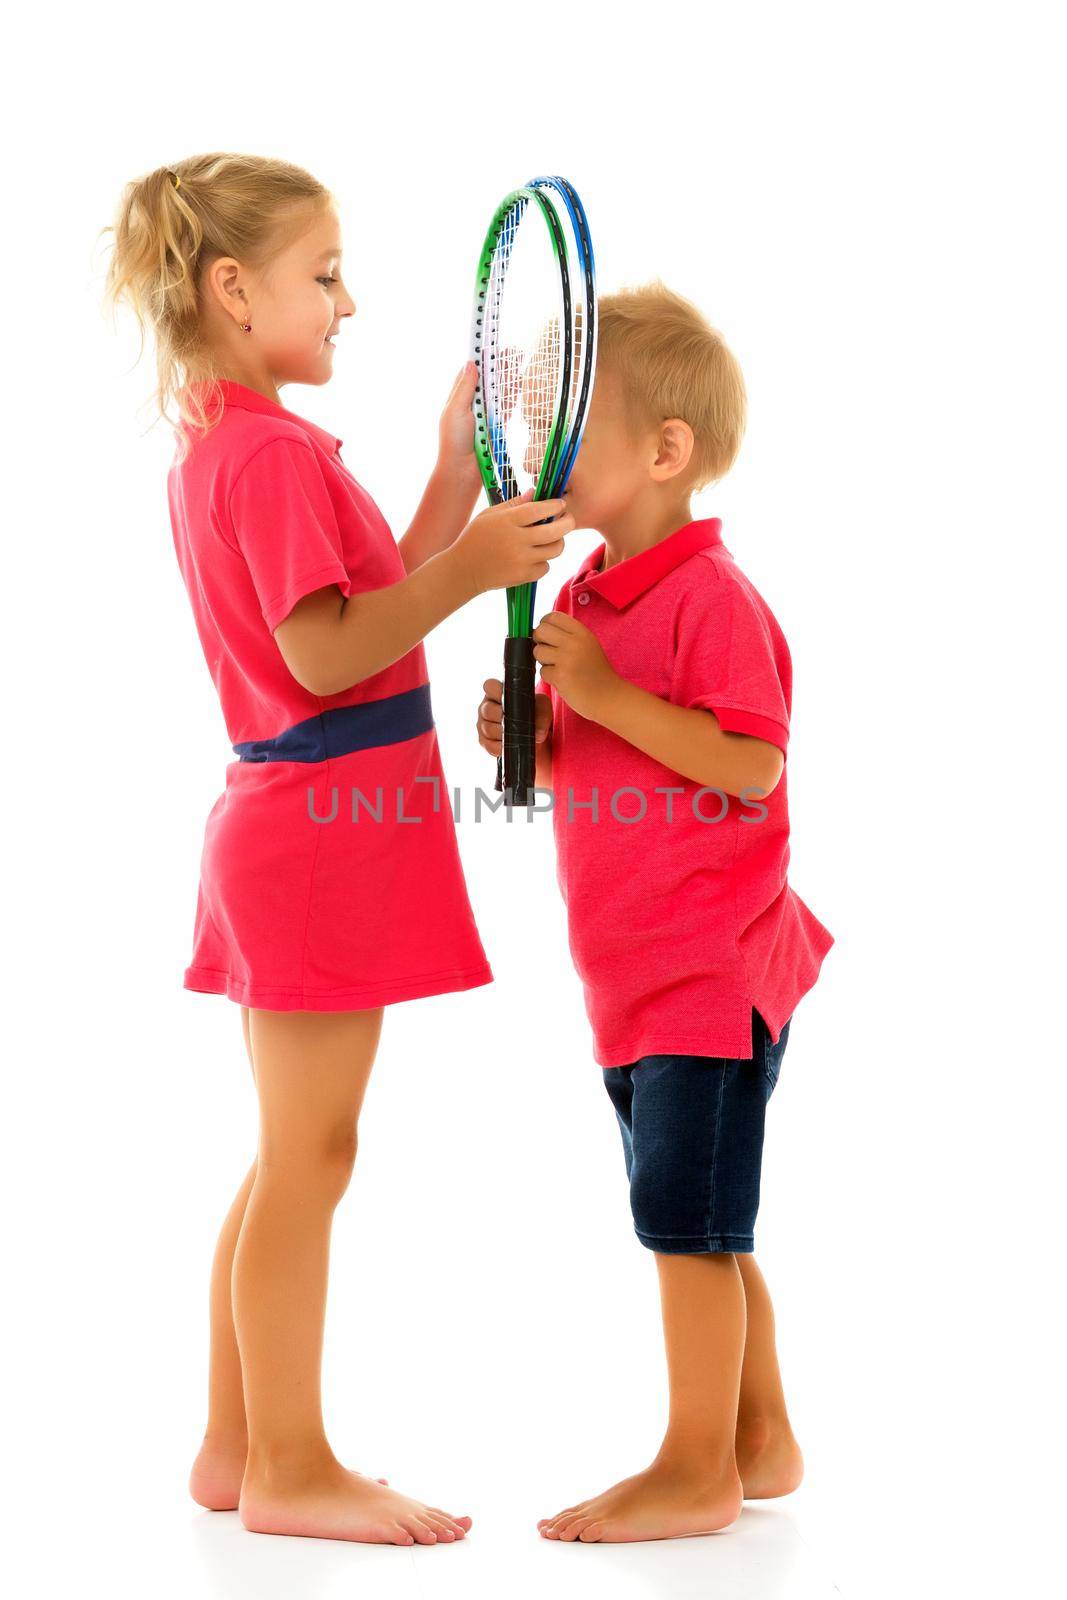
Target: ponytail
x=171, y=224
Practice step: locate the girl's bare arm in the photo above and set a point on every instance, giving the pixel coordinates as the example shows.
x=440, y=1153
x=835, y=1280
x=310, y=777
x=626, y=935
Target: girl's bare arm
x=455, y=483
x=446, y=505
x=330, y=643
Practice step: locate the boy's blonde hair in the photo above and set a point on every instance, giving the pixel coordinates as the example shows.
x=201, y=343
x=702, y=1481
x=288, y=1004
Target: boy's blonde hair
x=167, y=231
x=673, y=363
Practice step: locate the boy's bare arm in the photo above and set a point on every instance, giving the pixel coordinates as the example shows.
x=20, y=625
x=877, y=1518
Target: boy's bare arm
x=490, y=725
x=543, y=720
x=689, y=740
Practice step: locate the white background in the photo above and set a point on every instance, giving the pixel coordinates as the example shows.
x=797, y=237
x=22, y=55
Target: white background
x=867, y=201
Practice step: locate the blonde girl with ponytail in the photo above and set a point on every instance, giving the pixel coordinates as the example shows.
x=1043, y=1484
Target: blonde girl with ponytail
x=317, y=905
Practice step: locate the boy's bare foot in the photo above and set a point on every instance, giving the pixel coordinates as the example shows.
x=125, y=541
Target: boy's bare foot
x=215, y=1481
x=324, y=1500
x=666, y=1501
x=768, y=1459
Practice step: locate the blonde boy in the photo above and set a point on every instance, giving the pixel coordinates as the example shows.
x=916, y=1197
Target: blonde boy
x=663, y=725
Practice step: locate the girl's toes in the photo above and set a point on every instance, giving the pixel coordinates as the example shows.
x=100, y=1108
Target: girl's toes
x=591, y=1532
x=422, y=1531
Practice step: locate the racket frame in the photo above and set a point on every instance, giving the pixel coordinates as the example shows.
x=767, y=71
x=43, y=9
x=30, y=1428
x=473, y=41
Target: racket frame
x=516, y=766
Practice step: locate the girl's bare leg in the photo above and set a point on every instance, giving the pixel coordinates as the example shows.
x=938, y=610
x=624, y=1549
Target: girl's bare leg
x=692, y=1486
x=215, y=1481
x=311, y=1073
x=768, y=1456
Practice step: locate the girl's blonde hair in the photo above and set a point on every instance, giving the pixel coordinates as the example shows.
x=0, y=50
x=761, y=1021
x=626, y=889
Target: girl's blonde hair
x=170, y=225
x=673, y=363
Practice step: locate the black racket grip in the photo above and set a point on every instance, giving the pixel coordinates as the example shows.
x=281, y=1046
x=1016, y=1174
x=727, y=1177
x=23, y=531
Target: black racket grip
x=519, y=762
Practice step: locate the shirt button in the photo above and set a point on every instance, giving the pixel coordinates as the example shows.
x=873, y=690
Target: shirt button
x=583, y=599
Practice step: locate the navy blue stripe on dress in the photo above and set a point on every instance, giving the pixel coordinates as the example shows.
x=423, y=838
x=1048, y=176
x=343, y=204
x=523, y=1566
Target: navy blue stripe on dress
x=341, y=729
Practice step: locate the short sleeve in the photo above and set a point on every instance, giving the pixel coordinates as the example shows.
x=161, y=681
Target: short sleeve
x=728, y=661
x=286, y=527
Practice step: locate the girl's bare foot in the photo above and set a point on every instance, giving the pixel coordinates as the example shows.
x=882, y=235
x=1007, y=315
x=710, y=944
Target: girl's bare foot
x=666, y=1501
x=768, y=1459
x=324, y=1500
x=215, y=1481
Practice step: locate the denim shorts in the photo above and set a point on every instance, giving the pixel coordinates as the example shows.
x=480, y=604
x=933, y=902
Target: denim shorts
x=692, y=1137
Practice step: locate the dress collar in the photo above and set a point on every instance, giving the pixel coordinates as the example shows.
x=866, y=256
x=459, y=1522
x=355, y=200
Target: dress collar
x=238, y=394
x=637, y=574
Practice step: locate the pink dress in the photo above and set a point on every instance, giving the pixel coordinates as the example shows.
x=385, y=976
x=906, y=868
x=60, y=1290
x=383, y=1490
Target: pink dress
x=330, y=878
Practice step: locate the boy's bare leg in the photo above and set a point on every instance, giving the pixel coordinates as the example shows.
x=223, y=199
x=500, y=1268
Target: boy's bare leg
x=215, y=1481
x=692, y=1486
x=311, y=1073
x=768, y=1456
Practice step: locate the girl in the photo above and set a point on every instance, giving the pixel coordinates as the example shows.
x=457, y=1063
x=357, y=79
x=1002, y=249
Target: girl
x=318, y=904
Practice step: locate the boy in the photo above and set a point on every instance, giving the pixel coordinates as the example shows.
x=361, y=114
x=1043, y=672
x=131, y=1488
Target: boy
x=663, y=720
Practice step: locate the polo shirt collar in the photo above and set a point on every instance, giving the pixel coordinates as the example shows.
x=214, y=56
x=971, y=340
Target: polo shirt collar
x=238, y=394
x=637, y=574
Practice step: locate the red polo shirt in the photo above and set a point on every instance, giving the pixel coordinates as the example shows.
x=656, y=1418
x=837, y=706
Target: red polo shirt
x=680, y=916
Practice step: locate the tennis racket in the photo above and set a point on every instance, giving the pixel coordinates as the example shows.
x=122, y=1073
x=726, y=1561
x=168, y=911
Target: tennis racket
x=534, y=345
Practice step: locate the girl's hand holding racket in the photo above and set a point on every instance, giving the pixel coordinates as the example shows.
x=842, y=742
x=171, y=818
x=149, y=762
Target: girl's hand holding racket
x=573, y=662
x=512, y=542
x=455, y=452
x=491, y=717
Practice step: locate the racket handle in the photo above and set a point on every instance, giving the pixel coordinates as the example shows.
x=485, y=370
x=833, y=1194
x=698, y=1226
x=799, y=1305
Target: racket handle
x=519, y=763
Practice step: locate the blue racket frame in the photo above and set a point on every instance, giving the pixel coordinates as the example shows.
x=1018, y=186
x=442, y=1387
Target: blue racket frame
x=579, y=222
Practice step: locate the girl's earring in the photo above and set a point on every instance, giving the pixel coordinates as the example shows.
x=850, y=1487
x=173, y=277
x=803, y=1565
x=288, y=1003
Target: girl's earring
x=247, y=326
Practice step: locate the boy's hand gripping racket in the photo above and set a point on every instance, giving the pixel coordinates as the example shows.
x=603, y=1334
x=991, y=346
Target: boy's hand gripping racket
x=534, y=344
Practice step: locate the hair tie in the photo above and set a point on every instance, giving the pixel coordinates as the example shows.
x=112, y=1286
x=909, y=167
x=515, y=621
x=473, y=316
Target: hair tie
x=174, y=175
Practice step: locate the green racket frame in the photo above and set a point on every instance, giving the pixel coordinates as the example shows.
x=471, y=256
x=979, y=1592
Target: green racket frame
x=517, y=765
